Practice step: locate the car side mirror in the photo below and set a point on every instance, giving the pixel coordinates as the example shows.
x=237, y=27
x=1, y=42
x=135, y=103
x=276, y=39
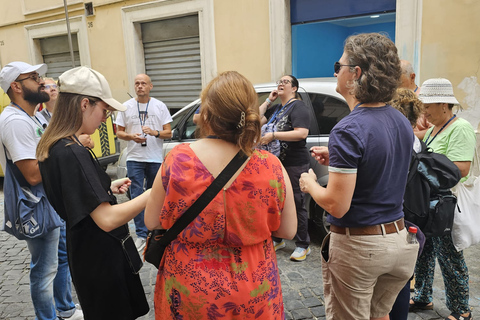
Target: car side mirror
x=175, y=135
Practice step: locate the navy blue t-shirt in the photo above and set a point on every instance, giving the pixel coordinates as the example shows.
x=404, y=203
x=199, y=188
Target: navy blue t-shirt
x=376, y=143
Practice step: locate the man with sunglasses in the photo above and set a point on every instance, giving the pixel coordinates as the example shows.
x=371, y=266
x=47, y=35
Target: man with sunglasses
x=20, y=132
x=144, y=124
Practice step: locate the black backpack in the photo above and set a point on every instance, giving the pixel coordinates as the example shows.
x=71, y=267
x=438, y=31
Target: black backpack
x=428, y=201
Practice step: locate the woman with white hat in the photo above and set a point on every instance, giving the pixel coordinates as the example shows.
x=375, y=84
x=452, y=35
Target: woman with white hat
x=103, y=260
x=455, y=138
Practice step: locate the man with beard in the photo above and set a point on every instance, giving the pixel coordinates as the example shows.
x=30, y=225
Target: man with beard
x=20, y=132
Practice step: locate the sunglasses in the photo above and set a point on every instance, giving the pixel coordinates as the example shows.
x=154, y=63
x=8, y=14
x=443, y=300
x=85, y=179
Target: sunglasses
x=50, y=86
x=34, y=77
x=337, y=66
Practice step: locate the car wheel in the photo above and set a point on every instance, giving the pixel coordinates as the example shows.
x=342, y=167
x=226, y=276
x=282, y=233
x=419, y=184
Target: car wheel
x=319, y=219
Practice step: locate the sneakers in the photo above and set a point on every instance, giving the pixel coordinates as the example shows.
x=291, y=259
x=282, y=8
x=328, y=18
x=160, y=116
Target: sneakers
x=279, y=245
x=300, y=254
x=78, y=315
x=140, y=244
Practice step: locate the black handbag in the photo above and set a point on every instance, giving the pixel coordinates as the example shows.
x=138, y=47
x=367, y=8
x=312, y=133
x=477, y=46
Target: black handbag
x=158, y=240
x=122, y=234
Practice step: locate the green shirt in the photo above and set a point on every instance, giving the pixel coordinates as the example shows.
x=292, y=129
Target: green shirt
x=457, y=141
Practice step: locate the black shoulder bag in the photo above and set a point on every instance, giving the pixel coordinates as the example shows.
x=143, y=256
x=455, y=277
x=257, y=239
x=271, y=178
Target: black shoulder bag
x=158, y=240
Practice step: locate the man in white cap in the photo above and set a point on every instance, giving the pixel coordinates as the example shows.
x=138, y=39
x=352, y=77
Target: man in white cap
x=20, y=133
x=144, y=124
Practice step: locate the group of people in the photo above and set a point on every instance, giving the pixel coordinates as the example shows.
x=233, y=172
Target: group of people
x=223, y=265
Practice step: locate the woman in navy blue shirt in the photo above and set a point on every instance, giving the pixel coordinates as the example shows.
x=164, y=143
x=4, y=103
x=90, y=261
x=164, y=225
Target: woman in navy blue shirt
x=366, y=257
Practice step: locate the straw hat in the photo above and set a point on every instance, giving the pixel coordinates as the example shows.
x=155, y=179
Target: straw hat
x=437, y=90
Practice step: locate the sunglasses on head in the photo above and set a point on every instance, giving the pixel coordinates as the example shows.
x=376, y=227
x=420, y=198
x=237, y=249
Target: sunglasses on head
x=337, y=66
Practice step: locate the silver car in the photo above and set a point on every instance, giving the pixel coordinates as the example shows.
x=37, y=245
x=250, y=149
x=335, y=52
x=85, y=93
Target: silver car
x=326, y=108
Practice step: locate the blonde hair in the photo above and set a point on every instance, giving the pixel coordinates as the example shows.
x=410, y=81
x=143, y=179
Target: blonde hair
x=229, y=110
x=65, y=122
x=407, y=102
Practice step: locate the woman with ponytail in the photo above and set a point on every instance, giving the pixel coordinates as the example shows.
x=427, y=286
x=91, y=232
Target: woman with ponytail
x=223, y=264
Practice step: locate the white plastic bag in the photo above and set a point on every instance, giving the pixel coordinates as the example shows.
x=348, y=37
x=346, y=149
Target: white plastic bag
x=466, y=223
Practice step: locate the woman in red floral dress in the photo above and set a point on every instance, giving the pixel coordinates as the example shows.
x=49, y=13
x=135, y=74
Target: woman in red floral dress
x=223, y=265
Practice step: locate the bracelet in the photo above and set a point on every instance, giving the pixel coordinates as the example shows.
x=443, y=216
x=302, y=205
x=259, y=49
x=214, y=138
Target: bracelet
x=158, y=134
x=273, y=135
x=268, y=101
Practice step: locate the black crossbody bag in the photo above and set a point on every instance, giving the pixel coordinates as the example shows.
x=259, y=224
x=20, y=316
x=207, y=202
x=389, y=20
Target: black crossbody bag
x=158, y=240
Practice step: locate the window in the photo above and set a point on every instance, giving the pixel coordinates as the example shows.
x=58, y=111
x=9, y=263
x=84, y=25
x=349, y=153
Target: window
x=328, y=111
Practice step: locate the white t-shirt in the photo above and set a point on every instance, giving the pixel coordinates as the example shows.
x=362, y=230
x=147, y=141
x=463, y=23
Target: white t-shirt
x=20, y=133
x=157, y=116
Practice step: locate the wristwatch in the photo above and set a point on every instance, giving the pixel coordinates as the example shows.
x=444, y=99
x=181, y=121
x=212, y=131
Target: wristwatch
x=158, y=134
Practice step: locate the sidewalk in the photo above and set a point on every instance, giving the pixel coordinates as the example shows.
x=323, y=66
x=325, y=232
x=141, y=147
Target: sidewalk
x=301, y=282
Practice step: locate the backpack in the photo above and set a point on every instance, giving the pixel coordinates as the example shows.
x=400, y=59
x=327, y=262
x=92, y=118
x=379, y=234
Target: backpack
x=428, y=201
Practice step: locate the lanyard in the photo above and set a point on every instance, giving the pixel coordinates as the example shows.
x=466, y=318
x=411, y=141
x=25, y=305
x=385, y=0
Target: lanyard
x=429, y=142
x=142, y=123
x=278, y=111
x=38, y=123
x=415, y=89
x=89, y=150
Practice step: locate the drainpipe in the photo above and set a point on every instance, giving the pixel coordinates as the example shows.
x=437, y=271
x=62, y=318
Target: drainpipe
x=69, y=34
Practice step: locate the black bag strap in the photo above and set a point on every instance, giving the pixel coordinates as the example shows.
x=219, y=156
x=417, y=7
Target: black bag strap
x=204, y=199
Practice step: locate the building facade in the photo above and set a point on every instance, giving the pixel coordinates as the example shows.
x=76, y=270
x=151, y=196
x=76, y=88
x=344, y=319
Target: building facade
x=183, y=44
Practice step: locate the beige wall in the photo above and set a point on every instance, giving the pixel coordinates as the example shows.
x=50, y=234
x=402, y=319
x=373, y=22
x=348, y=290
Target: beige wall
x=450, y=47
x=107, y=50
x=242, y=38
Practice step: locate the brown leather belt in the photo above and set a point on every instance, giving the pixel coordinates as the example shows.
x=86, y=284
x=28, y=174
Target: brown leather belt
x=370, y=230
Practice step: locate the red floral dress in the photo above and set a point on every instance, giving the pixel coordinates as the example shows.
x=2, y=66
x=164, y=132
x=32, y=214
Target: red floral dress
x=223, y=265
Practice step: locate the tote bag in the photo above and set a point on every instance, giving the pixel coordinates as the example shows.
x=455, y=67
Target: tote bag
x=466, y=223
x=274, y=146
x=28, y=214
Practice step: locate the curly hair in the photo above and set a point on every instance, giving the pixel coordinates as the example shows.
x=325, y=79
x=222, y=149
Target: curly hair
x=377, y=57
x=407, y=102
x=230, y=111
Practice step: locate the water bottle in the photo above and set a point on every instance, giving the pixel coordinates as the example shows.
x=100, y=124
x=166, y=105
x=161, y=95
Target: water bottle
x=412, y=235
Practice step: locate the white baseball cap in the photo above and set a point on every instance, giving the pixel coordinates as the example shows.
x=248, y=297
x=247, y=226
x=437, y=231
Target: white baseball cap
x=88, y=82
x=437, y=90
x=12, y=70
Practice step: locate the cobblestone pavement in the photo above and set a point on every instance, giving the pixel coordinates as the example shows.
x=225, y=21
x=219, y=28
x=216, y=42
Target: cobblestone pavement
x=301, y=281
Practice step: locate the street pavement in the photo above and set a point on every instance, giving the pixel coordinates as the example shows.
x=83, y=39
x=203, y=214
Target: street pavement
x=301, y=281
